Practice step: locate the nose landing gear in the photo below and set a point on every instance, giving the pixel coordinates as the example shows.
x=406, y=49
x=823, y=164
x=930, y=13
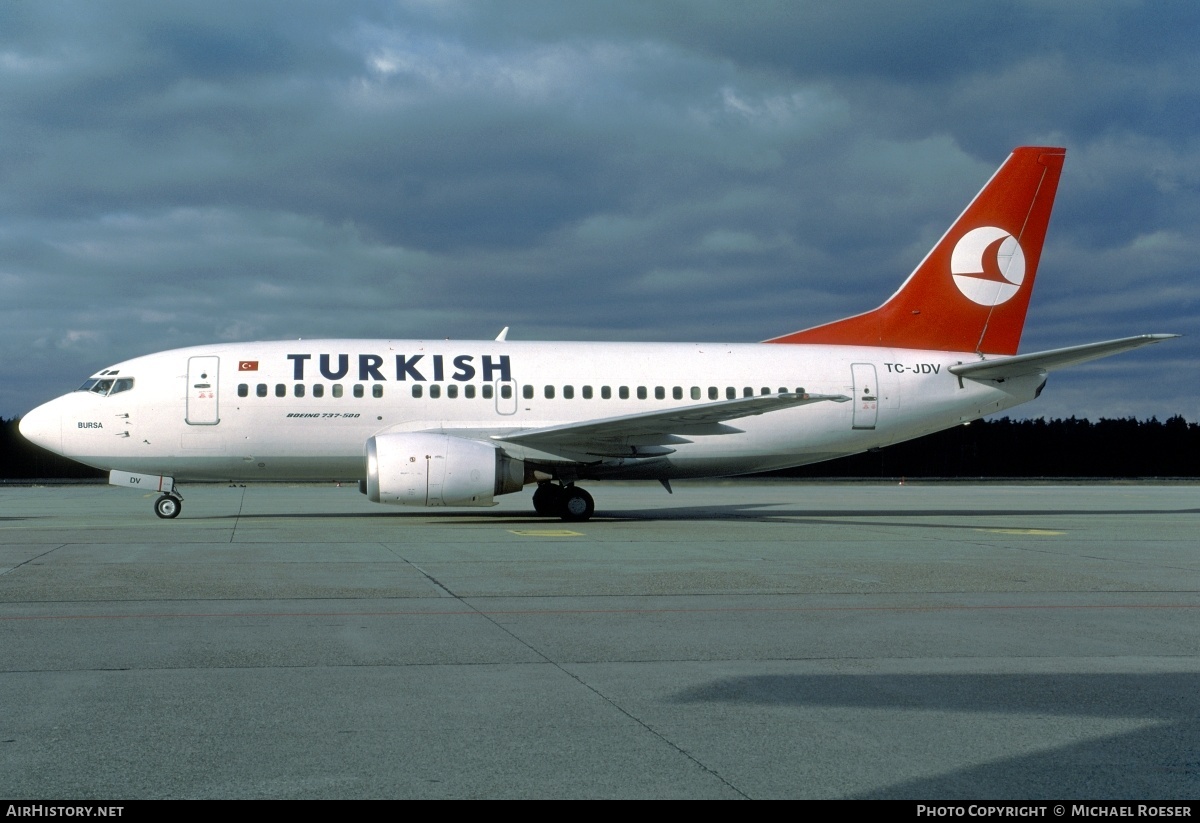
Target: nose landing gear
x=168, y=506
x=568, y=502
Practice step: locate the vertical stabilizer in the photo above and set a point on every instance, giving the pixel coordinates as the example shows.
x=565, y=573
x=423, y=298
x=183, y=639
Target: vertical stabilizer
x=972, y=290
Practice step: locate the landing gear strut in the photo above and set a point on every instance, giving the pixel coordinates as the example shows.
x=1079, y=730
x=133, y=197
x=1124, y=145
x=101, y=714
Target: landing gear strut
x=168, y=506
x=568, y=502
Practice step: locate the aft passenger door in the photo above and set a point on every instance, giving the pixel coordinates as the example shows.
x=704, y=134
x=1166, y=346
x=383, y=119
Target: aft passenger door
x=866, y=396
x=202, y=391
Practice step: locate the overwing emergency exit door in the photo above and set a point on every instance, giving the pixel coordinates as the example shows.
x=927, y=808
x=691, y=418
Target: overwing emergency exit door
x=866, y=396
x=506, y=397
x=202, y=392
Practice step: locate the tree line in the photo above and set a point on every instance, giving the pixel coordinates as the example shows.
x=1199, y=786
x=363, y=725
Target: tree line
x=21, y=460
x=1123, y=447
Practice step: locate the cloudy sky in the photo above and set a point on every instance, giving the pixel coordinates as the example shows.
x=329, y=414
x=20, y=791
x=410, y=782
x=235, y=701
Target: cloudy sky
x=182, y=173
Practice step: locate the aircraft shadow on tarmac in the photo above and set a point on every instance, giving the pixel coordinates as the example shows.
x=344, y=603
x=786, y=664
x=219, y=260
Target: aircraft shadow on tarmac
x=1160, y=760
x=759, y=512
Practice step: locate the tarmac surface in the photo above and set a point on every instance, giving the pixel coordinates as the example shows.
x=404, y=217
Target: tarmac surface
x=751, y=639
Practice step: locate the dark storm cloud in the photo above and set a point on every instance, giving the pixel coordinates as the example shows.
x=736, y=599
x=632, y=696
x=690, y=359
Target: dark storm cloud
x=175, y=174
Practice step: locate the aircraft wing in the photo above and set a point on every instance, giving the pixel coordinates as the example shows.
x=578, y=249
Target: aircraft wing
x=1044, y=361
x=639, y=434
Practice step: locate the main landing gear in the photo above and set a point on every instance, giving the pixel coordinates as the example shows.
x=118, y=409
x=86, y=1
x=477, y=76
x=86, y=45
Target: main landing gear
x=169, y=505
x=568, y=502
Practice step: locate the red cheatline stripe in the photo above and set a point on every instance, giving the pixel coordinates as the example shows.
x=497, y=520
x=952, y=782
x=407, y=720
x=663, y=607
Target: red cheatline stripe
x=482, y=613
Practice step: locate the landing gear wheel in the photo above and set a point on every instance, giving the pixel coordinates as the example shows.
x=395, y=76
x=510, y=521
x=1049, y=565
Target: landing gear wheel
x=168, y=507
x=547, y=499
x=576, y=504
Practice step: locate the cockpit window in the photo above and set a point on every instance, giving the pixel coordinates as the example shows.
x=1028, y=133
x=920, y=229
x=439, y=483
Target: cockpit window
x=106, y=385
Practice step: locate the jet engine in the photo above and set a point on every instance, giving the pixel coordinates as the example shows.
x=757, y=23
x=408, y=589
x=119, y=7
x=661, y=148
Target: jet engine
x=422, y=469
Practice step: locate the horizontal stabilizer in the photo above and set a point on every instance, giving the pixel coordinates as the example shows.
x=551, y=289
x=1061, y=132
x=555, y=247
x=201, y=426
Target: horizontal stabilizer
x=1044, y=361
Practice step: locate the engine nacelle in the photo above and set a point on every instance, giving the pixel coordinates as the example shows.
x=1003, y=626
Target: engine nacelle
x=419, y=469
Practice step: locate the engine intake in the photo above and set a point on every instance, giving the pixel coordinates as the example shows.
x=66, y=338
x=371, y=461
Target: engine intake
x=421, y=469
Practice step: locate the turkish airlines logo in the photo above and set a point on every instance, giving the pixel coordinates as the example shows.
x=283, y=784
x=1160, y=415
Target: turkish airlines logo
x=988, y=265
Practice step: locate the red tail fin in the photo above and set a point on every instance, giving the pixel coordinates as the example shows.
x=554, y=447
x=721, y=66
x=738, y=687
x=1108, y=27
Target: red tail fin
x=971, y=292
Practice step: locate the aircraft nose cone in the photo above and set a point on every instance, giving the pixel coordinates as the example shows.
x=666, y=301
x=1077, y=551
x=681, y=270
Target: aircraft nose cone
x=43, y=426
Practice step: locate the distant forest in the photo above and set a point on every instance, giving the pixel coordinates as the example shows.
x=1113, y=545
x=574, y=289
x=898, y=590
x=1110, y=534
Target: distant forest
x=985, y=448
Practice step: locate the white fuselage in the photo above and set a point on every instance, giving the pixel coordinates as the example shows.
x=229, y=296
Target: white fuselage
x=304, y=410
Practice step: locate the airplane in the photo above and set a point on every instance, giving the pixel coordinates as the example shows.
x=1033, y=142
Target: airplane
x=451, y=423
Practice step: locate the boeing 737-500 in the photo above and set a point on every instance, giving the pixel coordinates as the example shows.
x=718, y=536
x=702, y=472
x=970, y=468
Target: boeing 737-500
x=440, y=423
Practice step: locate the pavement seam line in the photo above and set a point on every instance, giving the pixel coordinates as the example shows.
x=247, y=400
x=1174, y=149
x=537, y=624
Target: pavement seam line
x=35, y=557
x=237, y=518
x=605, y=698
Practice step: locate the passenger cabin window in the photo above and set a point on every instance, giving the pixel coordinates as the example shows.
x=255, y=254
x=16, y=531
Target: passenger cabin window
x=358, y=390
x=468, y=392
x=730, y=393
x=527, y=391
x=677, y=393
x=623, y=392
x=660, y=393
x=243, y=390
x=417, y=390
x=549, y=392
x=695, y=392
x=435, y=391
x=299, y=392
x=452, y=391
x=337, y=389
x=641, y=392
x=568, y=392
x=377, y=390
x=318, y=390
x=587, y=392
x=261, y=389
x=605, y=393
x=280, y=390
